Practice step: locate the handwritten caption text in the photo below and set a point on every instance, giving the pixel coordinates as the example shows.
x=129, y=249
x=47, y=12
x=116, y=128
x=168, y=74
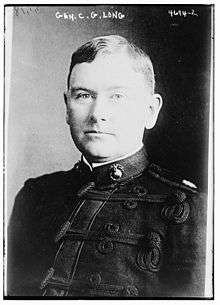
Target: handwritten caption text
x=182, y=13
x=92, y=15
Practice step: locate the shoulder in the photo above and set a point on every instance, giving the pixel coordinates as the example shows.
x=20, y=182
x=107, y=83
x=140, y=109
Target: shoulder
x=45, y=190
x=179, y=191
x=43, y=201
x=51, y=179
x=51, y=184
x=183, y=197
x=172, y=180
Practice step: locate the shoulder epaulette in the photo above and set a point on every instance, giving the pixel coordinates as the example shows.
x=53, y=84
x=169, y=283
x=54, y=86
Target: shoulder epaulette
x=171, y=179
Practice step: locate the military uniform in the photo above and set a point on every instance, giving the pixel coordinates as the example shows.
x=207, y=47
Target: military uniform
x=125, y=229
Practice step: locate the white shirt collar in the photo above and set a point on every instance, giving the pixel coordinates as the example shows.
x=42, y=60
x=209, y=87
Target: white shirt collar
x=91, y=166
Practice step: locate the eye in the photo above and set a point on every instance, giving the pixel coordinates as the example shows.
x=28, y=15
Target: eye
x=118, y=97
x=82, y=96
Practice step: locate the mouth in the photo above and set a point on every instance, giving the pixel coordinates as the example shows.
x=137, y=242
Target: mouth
x=98, y=132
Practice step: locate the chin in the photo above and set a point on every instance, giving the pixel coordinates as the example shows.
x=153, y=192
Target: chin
x=99, y=152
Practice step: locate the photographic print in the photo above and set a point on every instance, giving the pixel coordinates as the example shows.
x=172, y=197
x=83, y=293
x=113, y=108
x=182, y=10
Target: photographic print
x=108, y=121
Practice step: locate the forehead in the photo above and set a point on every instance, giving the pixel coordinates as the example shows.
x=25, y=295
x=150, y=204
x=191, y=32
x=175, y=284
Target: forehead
x=114, y=70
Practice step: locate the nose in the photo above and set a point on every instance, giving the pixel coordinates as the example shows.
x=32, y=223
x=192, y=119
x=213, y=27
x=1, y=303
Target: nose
x=99, y=109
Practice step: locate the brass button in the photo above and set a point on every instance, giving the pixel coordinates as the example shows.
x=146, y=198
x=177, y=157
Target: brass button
x=139, y=190
x=116, y=172
x=131, y=291
x=130, y=204
x=112, y=227
x=95, y=279
x=105, y=246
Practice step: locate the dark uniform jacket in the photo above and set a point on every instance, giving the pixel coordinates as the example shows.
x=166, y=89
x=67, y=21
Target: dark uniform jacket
x=126, y=229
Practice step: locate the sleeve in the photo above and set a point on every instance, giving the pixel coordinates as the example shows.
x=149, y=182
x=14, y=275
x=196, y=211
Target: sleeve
x=21, y=241
x=187, y=250
x=197, y=245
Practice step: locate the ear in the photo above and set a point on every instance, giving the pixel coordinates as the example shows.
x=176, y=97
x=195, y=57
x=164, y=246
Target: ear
x=153, y=110
x=66, y=103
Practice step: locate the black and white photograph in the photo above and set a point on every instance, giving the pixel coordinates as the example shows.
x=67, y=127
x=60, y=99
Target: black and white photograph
x=108, y=143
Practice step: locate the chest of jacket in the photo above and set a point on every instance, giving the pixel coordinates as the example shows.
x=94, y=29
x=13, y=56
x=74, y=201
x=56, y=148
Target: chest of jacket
x=122, y=243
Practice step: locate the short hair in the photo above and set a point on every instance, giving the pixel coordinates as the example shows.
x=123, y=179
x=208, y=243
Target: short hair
x=110, y=45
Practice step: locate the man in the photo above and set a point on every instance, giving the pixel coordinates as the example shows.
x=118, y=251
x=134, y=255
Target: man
x=116, y=225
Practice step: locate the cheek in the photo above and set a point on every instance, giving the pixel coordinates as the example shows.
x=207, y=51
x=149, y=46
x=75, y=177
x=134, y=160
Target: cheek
x=131, y=119
x=77, y=117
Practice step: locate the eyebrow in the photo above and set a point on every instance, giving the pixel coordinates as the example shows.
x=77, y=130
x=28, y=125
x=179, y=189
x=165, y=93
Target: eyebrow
x=117, y=87
x=74, y=89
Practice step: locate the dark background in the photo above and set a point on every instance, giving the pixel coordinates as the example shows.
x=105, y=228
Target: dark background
x=180, y=50
x=38, y=140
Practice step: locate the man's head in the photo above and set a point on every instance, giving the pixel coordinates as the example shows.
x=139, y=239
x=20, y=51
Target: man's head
x=110, y=98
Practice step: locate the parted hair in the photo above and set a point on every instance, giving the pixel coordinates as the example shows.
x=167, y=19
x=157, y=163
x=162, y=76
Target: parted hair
x=112, y=44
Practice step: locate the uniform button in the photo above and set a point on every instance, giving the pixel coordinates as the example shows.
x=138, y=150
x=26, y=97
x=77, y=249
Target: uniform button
x=112, y=227
x=131, y=291
x=139, y=190
x=116, y=172
x=105, y=246
x=95, y=279
x=130, y=204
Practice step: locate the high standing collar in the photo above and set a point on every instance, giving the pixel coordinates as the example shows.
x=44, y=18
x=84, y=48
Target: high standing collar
x=116, y=172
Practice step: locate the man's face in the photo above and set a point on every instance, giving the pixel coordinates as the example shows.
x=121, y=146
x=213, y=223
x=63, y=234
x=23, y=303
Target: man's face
x=108, y=107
